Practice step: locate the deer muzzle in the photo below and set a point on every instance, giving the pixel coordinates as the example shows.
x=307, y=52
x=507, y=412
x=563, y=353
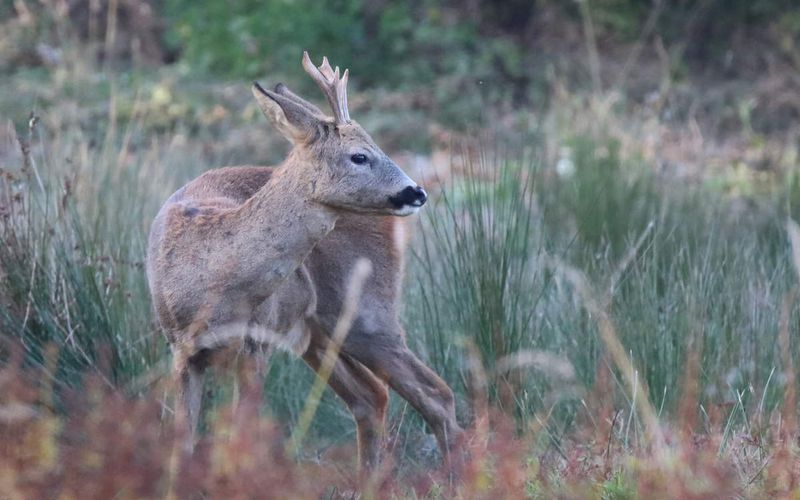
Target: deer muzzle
x=411, y=196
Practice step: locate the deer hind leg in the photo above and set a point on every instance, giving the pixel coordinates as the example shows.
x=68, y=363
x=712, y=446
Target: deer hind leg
x=190, y=374
x=427, y=393
x=366, y=397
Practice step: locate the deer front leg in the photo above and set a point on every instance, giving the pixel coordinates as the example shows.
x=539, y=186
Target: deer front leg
x=427, y=393
x=366, y=397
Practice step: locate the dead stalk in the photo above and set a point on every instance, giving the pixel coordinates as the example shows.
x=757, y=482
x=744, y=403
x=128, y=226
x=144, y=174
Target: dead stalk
x=615, y=348
x=361, y=272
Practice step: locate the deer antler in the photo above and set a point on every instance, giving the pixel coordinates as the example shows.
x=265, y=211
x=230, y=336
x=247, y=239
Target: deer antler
x=334, y=88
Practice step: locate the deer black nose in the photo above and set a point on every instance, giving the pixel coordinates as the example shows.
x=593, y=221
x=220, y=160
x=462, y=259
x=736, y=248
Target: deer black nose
x=412, y=195
x=421, y=195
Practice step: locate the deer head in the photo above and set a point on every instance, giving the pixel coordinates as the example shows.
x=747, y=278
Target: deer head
x=342, y=165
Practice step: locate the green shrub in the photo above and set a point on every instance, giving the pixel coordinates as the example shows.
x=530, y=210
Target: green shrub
x=380, y=46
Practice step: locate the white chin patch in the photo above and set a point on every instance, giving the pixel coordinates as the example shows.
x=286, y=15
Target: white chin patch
x=405, y=210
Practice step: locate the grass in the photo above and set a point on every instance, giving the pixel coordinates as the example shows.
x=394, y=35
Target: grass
x=519, y=281
x=700, y=278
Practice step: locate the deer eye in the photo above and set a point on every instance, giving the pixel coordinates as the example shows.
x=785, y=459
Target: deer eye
x=359, y=159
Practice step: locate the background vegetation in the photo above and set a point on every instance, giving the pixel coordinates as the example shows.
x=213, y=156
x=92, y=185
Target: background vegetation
x=606, y=242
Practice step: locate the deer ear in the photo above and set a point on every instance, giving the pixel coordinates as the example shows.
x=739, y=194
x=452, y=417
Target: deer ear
x=294, y=121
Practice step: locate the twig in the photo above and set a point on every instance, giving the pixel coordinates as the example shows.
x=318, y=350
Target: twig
x=28, y=163
x=626, y=261
x=30, y=293
x=111, y=32
x=591, y=44
x=611, y=432
x=759, y=471
x=70, y=331
x=637, y=48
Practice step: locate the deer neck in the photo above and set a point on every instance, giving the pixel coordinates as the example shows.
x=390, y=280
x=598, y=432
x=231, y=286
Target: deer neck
x=281, y=223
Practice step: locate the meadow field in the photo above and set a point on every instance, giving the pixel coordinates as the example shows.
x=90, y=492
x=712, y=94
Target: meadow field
x=607, y=272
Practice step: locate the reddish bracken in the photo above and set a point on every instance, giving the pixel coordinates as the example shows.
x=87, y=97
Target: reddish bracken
x=100, y=443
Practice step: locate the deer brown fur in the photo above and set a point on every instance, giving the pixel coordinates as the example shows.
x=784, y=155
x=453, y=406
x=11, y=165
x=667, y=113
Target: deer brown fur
x=263, y=255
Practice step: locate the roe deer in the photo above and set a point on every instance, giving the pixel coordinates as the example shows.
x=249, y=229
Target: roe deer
x=262, y=255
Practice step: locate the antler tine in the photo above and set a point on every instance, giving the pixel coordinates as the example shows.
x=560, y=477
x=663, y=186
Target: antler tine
x=342, y=93
x=334, y=87
x=326, y=69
